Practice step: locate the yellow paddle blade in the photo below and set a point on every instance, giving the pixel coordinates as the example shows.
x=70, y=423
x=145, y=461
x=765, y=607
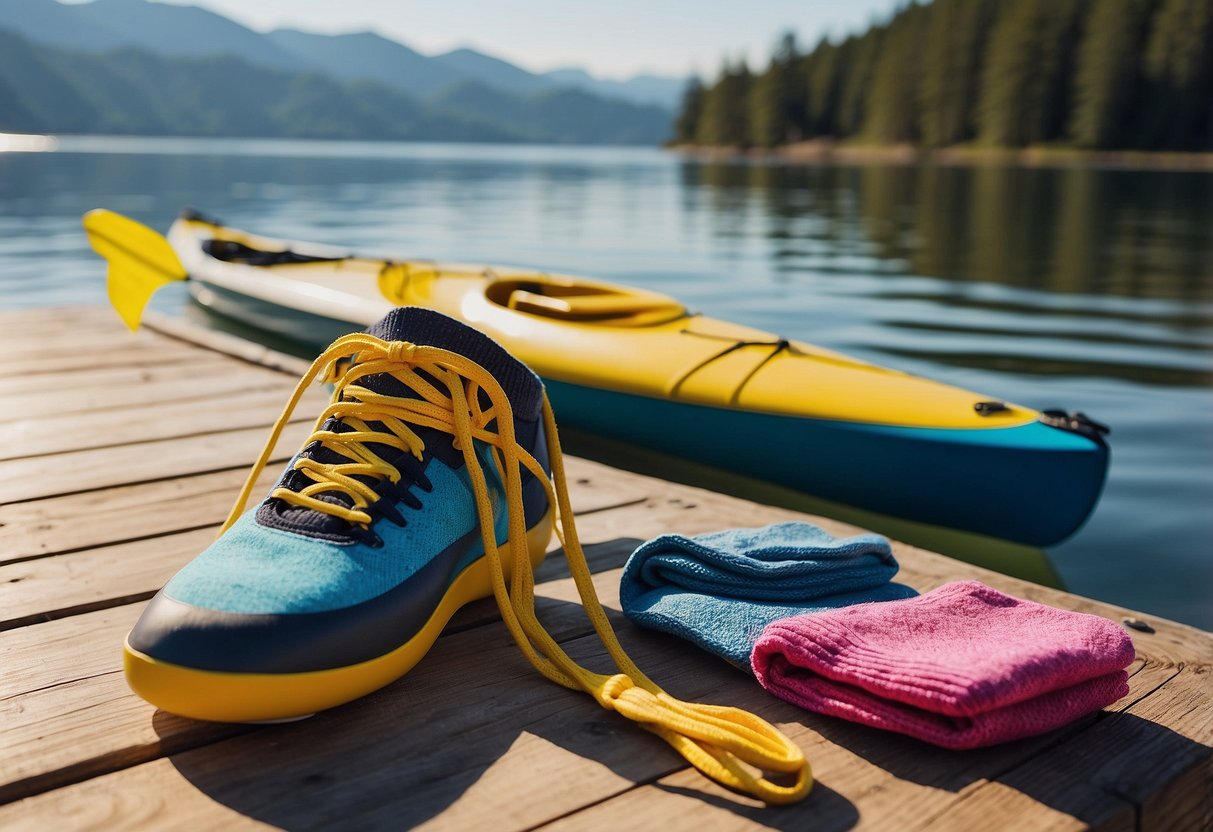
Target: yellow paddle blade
x=140, y=261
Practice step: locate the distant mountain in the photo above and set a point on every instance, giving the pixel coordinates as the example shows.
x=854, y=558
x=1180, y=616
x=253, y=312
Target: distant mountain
x=45, y=89
x=655, y=90
x=170, y=30
x=130, y=91
x=175, y=31
x=492, y=72
x=562, y=115
x=366, y=56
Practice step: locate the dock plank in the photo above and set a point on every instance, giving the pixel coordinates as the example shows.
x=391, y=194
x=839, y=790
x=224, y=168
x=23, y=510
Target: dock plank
x=75, y=471
x=31, y=362
x=20, y=325
x=129, y=424
x=50, y=588
x=477, y=686
x=90, y=519
x=81, y=391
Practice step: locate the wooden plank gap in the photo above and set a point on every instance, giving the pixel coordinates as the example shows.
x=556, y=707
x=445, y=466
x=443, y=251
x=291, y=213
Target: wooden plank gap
x=131, y=539
x=207, y=733
x=612, y=506
x=280, y=455
x=639, y=783
x=1131, y=700
x=75, y=681
x=134, y=410
x=75, y=609
x=249, y=421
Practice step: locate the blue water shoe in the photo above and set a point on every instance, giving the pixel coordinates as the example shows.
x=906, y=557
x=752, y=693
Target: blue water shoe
x=343, y=578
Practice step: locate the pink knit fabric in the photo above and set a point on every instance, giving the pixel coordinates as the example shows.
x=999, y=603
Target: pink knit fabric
x=963, y=666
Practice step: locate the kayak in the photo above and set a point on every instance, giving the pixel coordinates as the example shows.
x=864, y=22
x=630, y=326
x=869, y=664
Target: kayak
x=637, y=365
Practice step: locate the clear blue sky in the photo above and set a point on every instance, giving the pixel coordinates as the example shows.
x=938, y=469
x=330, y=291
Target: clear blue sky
x=611, y=38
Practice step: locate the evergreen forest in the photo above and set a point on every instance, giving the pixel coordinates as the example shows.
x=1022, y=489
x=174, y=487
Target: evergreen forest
x=1093, y=74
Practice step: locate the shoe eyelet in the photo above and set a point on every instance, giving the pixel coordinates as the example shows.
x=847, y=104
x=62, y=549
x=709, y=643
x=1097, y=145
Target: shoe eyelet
x=371, y=539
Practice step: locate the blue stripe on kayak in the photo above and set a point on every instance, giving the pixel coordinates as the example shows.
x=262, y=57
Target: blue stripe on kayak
x=1032, y=484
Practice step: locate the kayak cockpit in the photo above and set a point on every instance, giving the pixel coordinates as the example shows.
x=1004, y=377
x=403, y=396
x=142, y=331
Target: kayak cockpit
x=232, y=251
x=582, y=301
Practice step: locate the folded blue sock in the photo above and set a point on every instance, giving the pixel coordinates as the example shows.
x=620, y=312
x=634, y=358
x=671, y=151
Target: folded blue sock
x=720, y=590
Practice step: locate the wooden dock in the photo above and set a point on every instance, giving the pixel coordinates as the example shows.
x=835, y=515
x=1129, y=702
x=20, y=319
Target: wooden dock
x=122, y=454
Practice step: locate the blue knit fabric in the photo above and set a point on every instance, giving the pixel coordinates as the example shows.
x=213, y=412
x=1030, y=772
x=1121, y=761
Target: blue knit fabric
x=720, y=590
x=256, y=569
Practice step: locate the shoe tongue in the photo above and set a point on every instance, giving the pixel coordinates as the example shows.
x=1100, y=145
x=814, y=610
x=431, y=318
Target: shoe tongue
x=422, y=327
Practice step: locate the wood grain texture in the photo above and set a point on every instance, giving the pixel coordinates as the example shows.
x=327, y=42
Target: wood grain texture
x=137, y=423
x=80, y=391
x=97, y=352
x=39, y=528
x=74, y=471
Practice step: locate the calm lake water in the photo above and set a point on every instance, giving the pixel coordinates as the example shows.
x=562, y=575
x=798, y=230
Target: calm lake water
x=1082, y=288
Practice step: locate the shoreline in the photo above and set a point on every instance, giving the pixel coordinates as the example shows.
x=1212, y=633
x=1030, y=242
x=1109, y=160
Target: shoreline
x=814, y=152
x=827, y=152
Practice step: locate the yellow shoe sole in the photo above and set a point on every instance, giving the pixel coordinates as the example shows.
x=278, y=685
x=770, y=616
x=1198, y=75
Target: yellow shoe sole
x=272, y=697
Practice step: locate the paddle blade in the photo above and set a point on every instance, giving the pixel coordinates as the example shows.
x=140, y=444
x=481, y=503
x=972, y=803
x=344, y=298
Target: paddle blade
x=140, y=261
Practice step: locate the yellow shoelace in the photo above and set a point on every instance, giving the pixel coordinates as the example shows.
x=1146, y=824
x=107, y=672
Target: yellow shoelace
x=729, y=745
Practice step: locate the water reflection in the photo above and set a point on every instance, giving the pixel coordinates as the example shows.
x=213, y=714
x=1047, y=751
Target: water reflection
x=1072, y=230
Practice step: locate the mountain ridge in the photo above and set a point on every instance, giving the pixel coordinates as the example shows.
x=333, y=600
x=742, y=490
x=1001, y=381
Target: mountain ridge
x=174, y=31
x=128, y=90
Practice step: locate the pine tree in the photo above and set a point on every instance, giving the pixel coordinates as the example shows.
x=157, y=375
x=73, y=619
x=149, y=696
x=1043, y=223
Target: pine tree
x=766, y=122
x=956, y=40
x=1011, y=73
x=1027, y=77
x=893, y=109
x=824, y=84
x=858, y=62
x=687, y=121
x=724, y=120
x=775, y=98
x=791, y=61
x=1178, y=70
x=1107, y=83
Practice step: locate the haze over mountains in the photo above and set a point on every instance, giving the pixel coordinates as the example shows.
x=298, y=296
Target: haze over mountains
x=89, y=59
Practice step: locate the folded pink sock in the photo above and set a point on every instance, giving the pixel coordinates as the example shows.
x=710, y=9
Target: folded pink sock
x=963, y=666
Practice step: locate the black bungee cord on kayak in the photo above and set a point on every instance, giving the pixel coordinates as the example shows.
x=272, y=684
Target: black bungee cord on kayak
x=781, y=345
